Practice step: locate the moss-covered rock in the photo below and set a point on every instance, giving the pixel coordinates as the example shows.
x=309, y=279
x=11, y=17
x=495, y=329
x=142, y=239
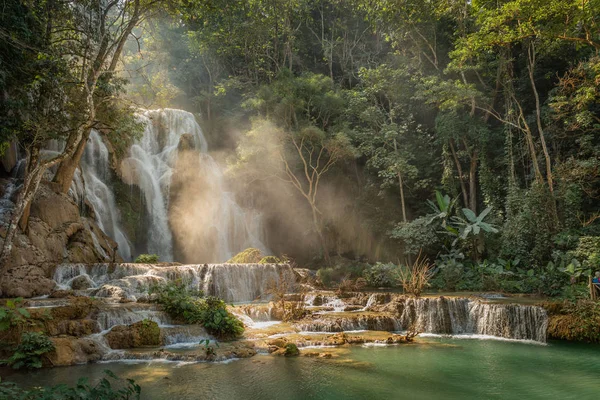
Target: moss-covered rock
x=248, y=256
x=574, y=321
x=141, y=334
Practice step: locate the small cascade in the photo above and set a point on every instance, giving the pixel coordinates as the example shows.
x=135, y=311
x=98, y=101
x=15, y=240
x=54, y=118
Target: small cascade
x=446, y=315
x=183, y=335
x=245, y=282
x=220, y=225
x=430, y=315
x=95, y=165
x=128, y=314
x=357, y=322
x=258, y=312
x=231, y=282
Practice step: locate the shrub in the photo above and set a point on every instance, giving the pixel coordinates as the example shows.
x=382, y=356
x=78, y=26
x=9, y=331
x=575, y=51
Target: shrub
x=382, y=275
x=248, y=256
x=578, y=321
x=416, y=277
x=217, y=320
x=104, y=390
x=291, y=350
x=12, y=314
x=188, y=305
x=29, y=352
x=147, y=259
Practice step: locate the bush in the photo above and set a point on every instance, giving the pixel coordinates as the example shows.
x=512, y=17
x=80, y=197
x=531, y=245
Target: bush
x=12, y=314
x=578, y=321
x=344, y=269
x=416, y=277
x=29, y=352
x=189, y=305
x=147, y=259
x=248, y=256
x=104, y=390
x=382, y=275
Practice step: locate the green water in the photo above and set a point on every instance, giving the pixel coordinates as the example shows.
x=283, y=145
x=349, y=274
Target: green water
x=435, y=369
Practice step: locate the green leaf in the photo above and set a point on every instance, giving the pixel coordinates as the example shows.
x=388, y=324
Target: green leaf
x=24, y=313
x=469, y=214
x=483, y=214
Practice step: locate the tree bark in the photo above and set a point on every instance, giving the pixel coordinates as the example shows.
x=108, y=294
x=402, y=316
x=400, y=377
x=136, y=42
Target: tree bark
x=66, y=170
x=463, y=187
x=473, y=182
x=538, y=114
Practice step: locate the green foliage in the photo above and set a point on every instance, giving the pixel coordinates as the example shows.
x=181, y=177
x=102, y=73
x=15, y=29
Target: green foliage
x=343, y=269
x=12, y=314
x=210, y=350
x=30, y=351
x=248, y=256
x=291, y=350
x=382, y=275
x=189, y=306
x=417, y=235
x=575, y=320
x=147, y=259
x=109, y=388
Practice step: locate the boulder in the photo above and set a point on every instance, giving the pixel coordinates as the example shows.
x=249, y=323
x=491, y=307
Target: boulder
x=82, y=282
x=25, y=281
x=69, y=350
x=141, y=334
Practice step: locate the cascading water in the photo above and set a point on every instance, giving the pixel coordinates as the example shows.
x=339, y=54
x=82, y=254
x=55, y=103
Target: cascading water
x=96, y=171
x=439, y=315
x=221, y=228
x=231, y=282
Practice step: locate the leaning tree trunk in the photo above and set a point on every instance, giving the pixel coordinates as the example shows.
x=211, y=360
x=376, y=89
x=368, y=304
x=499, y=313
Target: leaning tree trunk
x=66, y=170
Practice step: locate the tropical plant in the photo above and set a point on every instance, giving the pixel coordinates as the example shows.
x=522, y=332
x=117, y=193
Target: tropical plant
x=12, y=314
x=190, y=306
x=443, y=209
x=32, y=347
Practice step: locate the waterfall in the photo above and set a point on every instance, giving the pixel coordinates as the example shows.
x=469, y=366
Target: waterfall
x=95, y=165
x=432, y=315
x=449, y=315
x=213, y=226
x=231, y=282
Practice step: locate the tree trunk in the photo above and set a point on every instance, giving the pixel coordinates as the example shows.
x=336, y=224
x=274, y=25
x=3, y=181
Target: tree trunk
x=463, y=187
x=66, y=170
x=538, y=115
x=473, y=182
x=317, y=225
x=402, y=196
x=26, y=195
x=401, y=185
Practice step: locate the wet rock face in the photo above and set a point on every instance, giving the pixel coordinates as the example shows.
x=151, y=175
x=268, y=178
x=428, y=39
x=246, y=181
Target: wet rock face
x=71, y=351
x=139, y=334
x=55, y=232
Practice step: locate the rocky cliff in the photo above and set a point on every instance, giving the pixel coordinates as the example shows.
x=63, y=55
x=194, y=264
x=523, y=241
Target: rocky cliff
x=59, y=230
